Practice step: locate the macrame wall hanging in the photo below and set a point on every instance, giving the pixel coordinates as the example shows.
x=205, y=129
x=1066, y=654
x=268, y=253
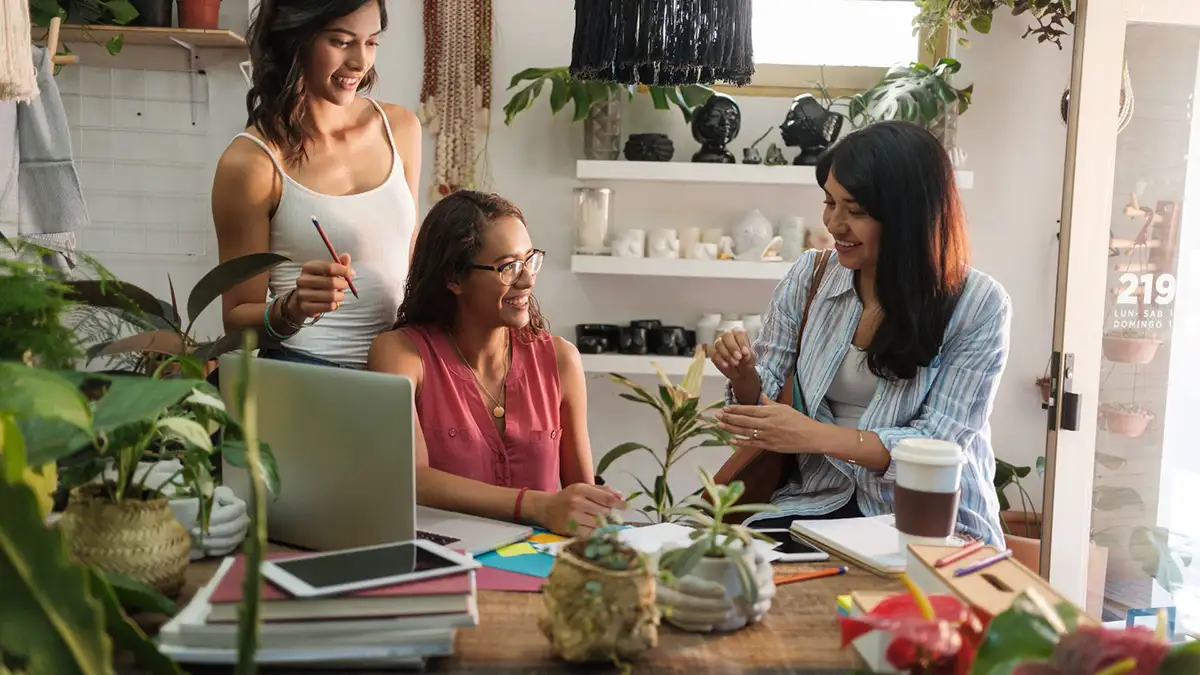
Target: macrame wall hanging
x=456, y=95
x=664, y=43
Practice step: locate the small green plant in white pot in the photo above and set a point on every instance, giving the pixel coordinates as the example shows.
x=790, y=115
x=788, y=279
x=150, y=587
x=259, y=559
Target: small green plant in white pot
x=720, y=565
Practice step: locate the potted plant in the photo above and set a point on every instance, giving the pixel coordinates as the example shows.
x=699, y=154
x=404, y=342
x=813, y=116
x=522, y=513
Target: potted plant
x=1025, y=522
x=198, y=13
x=1049, y=18
x=1125, y=419
x=114, y=521
x=75, y=617
x=597, y=104
x=599, y=599
x=1130, y=346
x=170, y=337
x=687, y=427
x=99, y=12
x=919, y=94
x=721, y=553
x=942, y=634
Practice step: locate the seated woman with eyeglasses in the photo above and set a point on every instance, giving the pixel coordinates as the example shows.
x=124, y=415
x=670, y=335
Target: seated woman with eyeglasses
x=501, y=403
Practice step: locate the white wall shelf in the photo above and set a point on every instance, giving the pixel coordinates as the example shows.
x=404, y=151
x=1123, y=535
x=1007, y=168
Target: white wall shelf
x=679, y=267
x=674, y=367
x=695, y=172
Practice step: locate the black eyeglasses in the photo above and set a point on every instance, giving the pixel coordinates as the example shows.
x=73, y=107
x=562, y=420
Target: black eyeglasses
x=511, y=271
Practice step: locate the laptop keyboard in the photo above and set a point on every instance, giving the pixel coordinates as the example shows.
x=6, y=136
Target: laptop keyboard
x=435, y=538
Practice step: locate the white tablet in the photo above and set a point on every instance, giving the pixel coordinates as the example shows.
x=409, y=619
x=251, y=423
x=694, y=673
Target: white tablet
x=355, y=569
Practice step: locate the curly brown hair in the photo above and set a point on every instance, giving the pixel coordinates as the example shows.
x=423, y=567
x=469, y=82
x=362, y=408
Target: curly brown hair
x=280, y=34
x=450, y=238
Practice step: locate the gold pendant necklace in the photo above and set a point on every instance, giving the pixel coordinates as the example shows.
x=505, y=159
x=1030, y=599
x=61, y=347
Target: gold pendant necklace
x=497, y=410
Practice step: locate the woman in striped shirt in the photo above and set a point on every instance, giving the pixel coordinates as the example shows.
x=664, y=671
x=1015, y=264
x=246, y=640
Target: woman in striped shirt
x=903, y=340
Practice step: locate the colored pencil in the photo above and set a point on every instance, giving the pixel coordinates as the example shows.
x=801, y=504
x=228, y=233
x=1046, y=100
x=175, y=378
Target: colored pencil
x=959, y=554
x=332, y=252
x=805, y=576
x=981, y=564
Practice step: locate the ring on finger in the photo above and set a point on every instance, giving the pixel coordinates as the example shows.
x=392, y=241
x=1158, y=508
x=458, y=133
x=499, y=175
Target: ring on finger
x=754, y=434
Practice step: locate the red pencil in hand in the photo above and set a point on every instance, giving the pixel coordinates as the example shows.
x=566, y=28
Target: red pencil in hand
x=332, y=252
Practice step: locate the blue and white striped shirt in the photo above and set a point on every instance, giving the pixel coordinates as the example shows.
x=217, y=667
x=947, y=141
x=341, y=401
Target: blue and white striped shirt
x=951, y=399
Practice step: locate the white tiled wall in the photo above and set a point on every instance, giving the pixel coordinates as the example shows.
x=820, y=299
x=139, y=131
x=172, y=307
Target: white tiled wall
x=146, y=144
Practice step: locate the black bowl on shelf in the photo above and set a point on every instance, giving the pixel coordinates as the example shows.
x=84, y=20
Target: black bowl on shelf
x=608, y=334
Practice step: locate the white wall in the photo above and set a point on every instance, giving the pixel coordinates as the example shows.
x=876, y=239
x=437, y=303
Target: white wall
x=1013, y=135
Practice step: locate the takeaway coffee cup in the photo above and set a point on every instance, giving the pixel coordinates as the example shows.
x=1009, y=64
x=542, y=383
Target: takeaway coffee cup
x=928, y=474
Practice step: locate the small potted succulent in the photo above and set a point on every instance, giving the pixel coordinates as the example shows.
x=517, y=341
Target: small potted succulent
x=1125, y=419
x=600, y=599
x=1130, y=346
x=721, y=553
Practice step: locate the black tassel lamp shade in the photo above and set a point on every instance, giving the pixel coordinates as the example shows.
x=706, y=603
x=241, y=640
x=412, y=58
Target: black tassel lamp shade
x=663, y=42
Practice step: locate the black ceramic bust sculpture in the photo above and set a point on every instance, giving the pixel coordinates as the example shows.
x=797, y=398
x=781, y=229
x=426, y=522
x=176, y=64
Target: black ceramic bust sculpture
x=715, y=124
x=810, y=127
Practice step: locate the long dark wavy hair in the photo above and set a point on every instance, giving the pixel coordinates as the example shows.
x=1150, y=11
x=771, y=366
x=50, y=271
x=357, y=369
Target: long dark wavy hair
x=450, y=238
x=280, y=35
x=900, y=174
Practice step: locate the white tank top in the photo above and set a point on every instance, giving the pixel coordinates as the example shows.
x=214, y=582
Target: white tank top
x=374, y=227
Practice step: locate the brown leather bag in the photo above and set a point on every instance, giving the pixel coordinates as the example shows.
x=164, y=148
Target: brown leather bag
x=764, y=471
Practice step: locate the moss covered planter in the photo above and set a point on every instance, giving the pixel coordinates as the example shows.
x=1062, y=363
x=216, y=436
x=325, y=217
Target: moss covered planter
x=595, y=614
x=138, y=539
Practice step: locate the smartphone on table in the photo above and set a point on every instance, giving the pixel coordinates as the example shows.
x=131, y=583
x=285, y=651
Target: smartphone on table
x=793, y=549
x=335, y=572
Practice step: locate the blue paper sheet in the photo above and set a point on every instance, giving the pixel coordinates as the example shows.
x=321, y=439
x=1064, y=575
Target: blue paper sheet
x=533, y=564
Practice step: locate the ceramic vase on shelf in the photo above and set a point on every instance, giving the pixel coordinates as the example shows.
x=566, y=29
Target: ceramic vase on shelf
x=791, y=229
x=753, y=324
x=706, y=329
x=592, y=208
x=630, y=244
x=729, y=322
x=602, y=129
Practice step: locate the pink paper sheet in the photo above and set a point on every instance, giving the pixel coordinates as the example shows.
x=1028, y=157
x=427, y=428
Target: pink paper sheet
x=492, y=579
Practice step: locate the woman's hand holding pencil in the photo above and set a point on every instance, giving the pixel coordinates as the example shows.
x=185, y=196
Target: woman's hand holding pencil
x=321, y=287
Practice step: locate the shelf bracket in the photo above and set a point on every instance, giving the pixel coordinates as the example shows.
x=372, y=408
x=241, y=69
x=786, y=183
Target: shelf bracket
x=195, y=72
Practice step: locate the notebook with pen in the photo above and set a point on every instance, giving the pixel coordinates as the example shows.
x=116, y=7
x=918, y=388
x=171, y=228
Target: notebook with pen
x=872, y=543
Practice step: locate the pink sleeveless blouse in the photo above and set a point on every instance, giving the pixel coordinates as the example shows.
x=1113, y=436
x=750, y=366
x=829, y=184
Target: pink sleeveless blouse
x=459, y=432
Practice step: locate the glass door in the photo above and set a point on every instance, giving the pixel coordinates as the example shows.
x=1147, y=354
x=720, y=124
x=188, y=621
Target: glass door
x=1123, y=443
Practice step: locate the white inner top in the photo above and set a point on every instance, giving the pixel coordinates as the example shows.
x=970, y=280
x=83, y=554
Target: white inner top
x=374, y=227
x=852, y=388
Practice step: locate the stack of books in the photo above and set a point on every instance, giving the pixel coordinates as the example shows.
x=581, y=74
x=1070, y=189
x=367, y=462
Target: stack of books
x=399, y=625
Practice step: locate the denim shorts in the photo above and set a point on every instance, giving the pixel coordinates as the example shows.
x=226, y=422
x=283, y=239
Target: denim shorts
x=294, y=356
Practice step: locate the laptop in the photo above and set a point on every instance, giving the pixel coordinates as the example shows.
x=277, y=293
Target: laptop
x=343, y=444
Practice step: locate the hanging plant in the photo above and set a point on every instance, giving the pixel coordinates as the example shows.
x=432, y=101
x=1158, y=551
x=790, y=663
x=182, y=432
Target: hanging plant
x=1125, y=419
x=1130, y=346
x=1050, y=17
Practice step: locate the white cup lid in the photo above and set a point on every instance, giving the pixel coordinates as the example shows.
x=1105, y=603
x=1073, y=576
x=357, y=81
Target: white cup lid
x=929, y=451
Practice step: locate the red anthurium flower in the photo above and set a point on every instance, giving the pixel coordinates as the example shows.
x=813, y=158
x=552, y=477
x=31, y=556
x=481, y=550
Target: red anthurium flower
x=944, y=643
x=1090, y=650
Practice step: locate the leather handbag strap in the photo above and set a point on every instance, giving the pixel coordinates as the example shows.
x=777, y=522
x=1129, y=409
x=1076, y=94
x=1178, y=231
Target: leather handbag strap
x=819, y=265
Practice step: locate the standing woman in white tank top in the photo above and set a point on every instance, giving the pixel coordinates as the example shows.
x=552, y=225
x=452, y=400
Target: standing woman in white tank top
x=315, y=148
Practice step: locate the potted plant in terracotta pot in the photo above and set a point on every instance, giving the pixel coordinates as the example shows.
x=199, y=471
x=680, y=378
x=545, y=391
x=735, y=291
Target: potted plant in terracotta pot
x=599, y=600
x=198, y=13
x=114, y=521
x=1125, y=419
x=723, y=554
x=1130, y=346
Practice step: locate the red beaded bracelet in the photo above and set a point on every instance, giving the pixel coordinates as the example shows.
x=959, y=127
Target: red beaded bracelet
x=517, y=505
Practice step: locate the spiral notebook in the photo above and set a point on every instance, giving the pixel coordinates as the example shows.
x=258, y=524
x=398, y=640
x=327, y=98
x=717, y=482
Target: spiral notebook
x=872, y=543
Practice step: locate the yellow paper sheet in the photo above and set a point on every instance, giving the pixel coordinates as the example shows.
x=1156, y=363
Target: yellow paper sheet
x=520, y=548
x=545, y=538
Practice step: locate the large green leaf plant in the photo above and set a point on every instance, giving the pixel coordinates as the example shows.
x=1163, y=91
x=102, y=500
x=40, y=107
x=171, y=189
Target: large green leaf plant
x=586, y=93
x=687, y=426
x=59, y=616
x=914, y=92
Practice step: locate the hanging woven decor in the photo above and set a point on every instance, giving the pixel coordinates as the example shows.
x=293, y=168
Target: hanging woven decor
x=663, y=42
x=456, y=94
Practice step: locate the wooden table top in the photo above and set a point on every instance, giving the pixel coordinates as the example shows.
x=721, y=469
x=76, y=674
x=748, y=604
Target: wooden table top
x=798, y=636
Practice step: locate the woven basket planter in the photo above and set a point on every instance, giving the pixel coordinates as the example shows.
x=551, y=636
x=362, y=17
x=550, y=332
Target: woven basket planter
x=593, y=614
x=138, y=539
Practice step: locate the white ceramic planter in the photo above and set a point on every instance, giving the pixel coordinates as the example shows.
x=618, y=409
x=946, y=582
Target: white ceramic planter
x=721, y=571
